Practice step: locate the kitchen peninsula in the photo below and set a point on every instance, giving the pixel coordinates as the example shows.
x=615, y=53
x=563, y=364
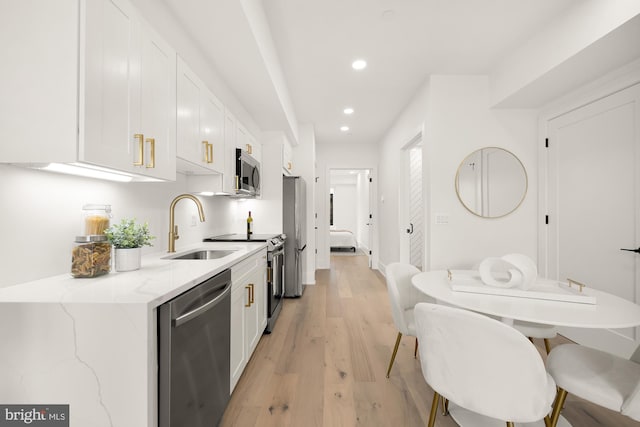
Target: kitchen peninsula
x=92, y=343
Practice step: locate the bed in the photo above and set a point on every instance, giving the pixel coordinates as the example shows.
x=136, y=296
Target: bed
x=342, y=239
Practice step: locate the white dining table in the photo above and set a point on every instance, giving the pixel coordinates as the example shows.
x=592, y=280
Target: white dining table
x=610, y=312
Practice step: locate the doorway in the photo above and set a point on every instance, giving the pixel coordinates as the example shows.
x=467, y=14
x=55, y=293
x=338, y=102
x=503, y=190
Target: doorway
x=350, y=212
x=593, y=203
x=412, y=205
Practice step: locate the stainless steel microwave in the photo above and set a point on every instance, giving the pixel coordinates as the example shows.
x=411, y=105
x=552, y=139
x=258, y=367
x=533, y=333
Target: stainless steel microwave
x=247, y=174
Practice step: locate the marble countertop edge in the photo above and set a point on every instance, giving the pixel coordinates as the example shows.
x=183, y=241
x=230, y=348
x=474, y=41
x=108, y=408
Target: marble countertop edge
x=157, y=281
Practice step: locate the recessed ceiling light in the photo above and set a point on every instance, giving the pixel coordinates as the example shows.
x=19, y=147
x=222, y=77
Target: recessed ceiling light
x=344, y=128
x=359, y=64
x=348, y=110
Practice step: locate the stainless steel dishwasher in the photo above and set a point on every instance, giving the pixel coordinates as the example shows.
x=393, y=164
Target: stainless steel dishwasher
x=193, y=355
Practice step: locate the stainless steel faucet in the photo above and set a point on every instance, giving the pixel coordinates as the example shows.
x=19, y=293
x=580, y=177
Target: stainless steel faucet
x=173, y=229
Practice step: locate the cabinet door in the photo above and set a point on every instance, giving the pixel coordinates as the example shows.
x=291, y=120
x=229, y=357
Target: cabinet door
x=212, y=130
x=157, y=94
x=229, y=177
x=109, y=67
x=255, y=314
x=238, y=355
x=188, y=146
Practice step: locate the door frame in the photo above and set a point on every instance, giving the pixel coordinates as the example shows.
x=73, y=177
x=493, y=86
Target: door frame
x=403, y=198
x=373, y=211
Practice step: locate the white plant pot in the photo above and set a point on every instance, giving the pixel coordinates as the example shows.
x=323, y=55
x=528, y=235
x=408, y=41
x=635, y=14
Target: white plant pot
x=128, y=259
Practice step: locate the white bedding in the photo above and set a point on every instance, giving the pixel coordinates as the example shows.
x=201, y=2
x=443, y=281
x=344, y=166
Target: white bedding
x=342, y=239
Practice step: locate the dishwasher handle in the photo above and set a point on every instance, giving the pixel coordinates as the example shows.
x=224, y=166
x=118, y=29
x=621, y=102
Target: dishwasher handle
x=224, y=290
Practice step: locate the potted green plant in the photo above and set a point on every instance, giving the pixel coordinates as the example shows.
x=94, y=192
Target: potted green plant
x=128, y=237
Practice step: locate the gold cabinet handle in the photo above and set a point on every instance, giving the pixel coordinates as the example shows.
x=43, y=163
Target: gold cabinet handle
x=237, y=182
x=152, y=150
x=289, y=166
x=251, y=291
x=269, y=274
x=140, y=139
x=205, y=145
x=249, y=149
x=248, y=304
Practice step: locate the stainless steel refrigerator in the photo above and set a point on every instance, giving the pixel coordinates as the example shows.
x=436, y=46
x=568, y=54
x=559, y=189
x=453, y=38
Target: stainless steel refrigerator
x=294, y=200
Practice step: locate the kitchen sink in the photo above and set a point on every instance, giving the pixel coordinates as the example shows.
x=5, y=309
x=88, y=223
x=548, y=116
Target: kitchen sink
x=203, y=254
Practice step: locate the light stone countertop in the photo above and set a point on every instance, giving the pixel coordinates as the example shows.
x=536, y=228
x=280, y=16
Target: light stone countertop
x=92, y=343
x=157, y=281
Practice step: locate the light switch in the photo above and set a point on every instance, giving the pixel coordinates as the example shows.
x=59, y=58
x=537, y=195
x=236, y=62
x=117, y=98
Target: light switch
x=442, y=218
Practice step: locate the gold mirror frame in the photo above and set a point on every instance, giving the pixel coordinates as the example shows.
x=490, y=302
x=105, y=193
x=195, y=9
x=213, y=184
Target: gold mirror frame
x=469, y=160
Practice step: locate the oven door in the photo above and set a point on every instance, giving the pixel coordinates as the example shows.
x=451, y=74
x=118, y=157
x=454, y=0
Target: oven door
x=275, y=285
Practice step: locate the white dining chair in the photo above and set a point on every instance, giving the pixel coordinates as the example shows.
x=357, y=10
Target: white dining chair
x=482, y=365
x=403, y=297
x=596, y=376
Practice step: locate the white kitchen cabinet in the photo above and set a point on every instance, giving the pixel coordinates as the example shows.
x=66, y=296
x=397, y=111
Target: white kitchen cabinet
x=200, y=127
x=97, y=87
x=248, y=311
x=246, y=141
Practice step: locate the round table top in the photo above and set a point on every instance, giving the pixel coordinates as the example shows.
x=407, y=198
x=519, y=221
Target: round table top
x=609, y=312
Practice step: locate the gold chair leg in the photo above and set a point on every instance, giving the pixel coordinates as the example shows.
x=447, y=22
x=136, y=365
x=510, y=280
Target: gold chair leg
x=434, y=409
x=415, y=350
x=510, y=424
x=547, y=421
x=547, y=346
x=555, y=414
x=395, y=351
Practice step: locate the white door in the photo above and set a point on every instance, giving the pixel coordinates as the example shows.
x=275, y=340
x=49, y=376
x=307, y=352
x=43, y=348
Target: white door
x=593, y=205
x=412, y=210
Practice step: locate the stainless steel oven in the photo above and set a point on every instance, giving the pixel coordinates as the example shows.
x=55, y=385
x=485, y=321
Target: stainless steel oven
x=194, y=355
x=275, y=269
x=275, y=282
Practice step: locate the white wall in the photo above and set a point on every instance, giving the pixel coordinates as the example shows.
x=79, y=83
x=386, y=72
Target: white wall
x=41, y=215
x=304, y=160
x=459, y=122
x=341, y=156
x=455, y=116
x=408, y=124
x=344, y=206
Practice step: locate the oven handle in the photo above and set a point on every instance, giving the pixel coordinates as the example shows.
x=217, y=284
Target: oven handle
x=204, y=307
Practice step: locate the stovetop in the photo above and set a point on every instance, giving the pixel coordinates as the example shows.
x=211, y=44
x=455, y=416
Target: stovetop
x=274, y=241
x=240, y=237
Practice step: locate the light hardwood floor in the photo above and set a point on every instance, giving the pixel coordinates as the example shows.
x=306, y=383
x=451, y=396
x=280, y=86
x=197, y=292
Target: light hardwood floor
x=325, y=363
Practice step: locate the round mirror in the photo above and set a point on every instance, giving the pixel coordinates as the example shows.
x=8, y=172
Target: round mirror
x=491, y=182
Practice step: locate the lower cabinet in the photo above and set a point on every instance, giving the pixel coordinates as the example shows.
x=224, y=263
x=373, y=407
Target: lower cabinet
x=248, y=311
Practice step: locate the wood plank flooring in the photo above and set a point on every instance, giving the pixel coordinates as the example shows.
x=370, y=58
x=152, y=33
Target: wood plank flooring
x=326, y=360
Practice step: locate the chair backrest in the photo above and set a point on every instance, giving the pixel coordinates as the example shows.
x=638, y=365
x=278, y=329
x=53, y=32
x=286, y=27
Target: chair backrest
x=482, y=364
x=402, y=294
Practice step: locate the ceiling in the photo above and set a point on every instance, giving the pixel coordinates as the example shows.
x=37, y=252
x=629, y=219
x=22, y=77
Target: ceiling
x=403, y=41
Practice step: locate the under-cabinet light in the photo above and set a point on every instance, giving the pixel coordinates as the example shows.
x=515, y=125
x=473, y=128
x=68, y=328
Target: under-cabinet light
x=86, y=171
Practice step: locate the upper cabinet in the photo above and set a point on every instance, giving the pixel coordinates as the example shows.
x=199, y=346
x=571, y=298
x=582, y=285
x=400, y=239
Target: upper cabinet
x=201, y=139
x=117, y=110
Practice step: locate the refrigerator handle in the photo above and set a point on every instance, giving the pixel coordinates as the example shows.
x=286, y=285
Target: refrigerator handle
x=302, y=248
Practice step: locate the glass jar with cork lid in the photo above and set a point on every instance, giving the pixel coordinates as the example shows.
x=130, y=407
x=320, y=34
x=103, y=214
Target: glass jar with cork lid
x=96, y=219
